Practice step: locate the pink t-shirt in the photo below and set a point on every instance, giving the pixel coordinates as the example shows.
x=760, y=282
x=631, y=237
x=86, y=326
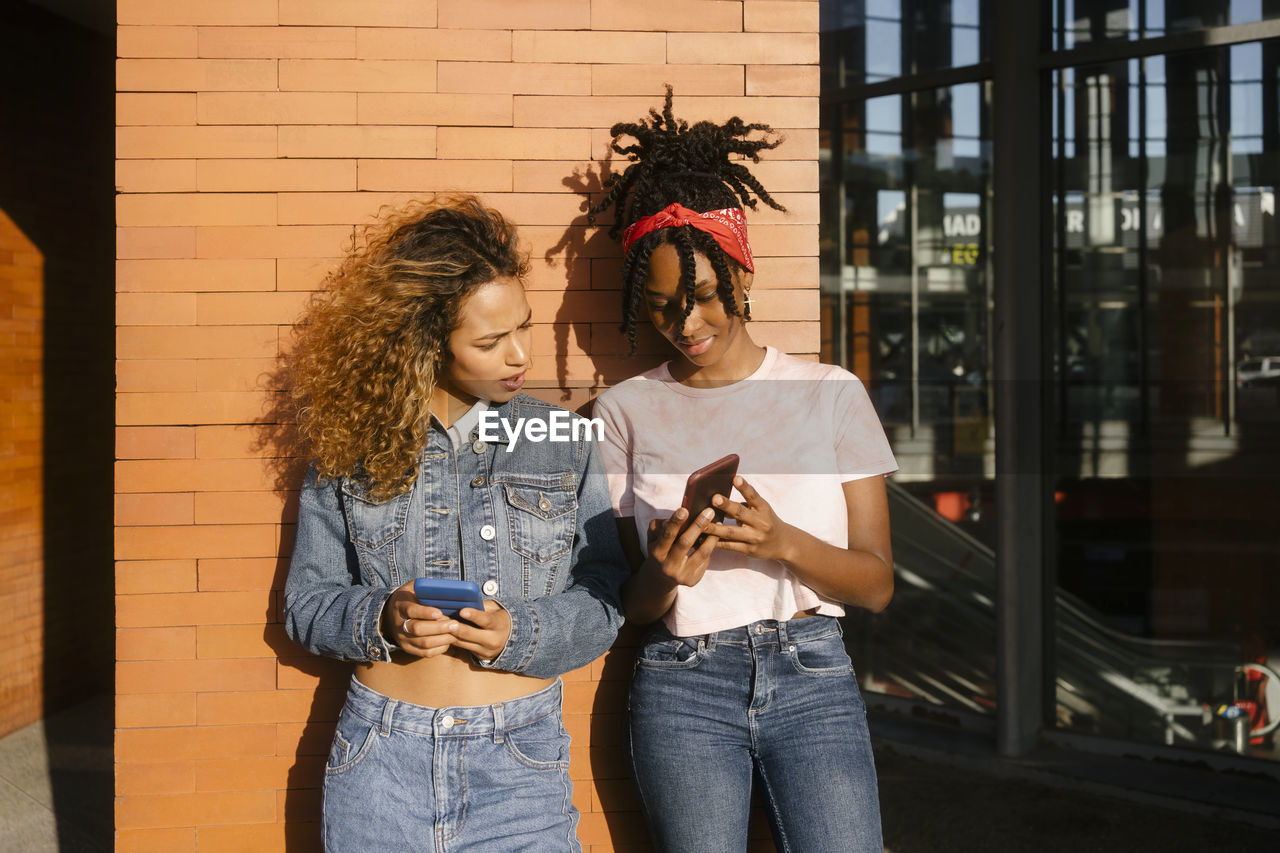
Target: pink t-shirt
x=800, y=428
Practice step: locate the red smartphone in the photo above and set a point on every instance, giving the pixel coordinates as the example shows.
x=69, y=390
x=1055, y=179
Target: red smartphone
x=706, y=483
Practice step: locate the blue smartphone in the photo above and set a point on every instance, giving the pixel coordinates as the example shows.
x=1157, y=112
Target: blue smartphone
x=448, y=595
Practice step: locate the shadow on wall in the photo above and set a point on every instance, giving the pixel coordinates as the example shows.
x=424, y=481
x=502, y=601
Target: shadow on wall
x=56, y=186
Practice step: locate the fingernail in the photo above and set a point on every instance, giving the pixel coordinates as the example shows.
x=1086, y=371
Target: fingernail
x=453, y=626
x=681, y=513
x=717, y=500
x=706, y=514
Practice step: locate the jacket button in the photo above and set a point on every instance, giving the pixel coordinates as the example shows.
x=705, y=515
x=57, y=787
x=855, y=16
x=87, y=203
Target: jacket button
x=488, y=532
x=478, y=446
x=490, y=587
x=477, y=481
x=544, y=504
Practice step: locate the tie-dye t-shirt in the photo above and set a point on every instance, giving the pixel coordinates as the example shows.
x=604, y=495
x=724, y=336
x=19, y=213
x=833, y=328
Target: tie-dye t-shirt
x=800, y=428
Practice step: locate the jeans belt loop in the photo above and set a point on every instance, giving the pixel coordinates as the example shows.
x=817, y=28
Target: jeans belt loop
x=499, y=733
x=783, y=641
x=388, y=711
x=708, y=641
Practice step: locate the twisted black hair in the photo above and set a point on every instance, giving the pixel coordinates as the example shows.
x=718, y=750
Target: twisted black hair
x=673, y=161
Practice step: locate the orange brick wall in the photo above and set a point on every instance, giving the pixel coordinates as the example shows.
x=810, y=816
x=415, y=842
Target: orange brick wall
x=21, y=479
x=252, y=135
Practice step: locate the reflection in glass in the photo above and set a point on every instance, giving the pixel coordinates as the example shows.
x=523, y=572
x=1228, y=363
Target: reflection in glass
x=906, y=302
x=1167, y=310
x=1077, y=22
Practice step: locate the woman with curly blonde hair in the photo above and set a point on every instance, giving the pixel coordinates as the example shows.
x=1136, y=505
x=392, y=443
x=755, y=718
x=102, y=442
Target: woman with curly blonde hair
x=452, y=727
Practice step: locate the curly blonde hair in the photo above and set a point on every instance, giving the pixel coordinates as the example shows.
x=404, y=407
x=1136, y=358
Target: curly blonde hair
x=371, y=345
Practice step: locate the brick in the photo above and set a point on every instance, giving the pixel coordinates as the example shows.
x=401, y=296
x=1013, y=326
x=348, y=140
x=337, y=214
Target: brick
x=259, y=706
x=142, y=176
x=357, y=208
x=238, y=442
x=277, y=42
x=170, y=777
x=155, y=442
x=270, y=241
x=276, y=108
x=547, y=240
x=225, y=12
x=197, y=141
x=551, y=176
x=163, y=509
x=767, y=240
x=211, y=342
x=357, y=75
x=801, y=209
x=437, y=44
x=214, y=475
x=651, y=80
x=517, y=78
x=242, y=641
x=149, y=710
x=787, y=175
x=789, y=337
x=800, y=80
x=307, y=672
x=156, y=42
x=155, y=644
x=716, y=16
x=356, y=141
x=155, y=840
x=242, y=309
x=189, y=274
x=434, y=109
x=163, y=407
x=228, y=807
x=195, y=676
x=435, y=175
x=241, y=573
x=745, y=48
x=155, y=108
x=241, y=774
x=155, y=309
x=139, y=577
x=196, y=209
x=542, y=111
x=780, y=16
x=195, y=75
x=588, y=47
x=384, y=13
x=155, y=242
x=238, y=374
x=302, y=273
x=275, y=175
x=203, y=540
x=304, y=835
x=512, y=143
x=516, y=14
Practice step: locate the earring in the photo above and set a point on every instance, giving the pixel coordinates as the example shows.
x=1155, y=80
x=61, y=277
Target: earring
x=746, y=305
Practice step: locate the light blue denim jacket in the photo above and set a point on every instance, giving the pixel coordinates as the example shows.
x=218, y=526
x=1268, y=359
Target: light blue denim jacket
x=536, y=530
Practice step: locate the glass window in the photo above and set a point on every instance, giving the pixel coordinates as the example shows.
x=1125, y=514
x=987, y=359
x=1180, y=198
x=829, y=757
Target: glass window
x=1167, y=307
x=906, y=304
x=869, y=41
x=1077, y=22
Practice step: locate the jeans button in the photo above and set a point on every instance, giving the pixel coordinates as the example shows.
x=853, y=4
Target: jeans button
x=759, y=629
x=488, y=532
x=477, y=481
x=490, y=587
x=446, y=722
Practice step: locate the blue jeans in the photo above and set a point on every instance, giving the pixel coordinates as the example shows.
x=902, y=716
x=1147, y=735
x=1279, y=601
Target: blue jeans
x=775, y=702
x=406, y=777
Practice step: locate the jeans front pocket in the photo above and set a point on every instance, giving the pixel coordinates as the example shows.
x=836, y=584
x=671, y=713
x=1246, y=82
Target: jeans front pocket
x=353, y=739
x=540, y=745
x=821, y=656
x=672, y=653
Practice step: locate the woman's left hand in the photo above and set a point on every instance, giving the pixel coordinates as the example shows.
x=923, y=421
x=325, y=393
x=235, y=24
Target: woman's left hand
x=759, y=532
x=486, y=635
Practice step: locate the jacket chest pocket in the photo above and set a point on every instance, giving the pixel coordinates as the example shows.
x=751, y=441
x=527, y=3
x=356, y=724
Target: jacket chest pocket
x=374, y=525
x=541, y=518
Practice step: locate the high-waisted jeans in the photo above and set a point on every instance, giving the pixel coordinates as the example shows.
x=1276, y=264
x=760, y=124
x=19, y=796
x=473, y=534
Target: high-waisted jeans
x=407, y=777
x=772, y=701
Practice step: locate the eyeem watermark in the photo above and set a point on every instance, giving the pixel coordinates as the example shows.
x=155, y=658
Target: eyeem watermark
x=559, y=425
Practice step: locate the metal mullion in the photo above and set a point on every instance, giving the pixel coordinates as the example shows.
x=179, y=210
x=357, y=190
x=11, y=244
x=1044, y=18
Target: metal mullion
x=905, y=85
x=1112, y=51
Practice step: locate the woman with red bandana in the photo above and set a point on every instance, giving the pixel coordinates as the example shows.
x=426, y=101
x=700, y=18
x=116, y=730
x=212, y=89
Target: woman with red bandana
x=743, y=680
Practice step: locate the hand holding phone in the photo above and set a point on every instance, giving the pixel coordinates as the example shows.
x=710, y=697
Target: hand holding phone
x=448, y=596
x=706, y=483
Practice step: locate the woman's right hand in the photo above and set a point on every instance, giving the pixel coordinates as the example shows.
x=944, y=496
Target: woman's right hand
x=672, y=554
x=415, y=628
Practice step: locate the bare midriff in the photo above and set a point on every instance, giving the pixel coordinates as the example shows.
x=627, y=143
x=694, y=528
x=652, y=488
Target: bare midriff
x=450, y=679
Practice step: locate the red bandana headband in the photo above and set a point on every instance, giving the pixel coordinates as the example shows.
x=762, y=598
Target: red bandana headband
x=728, y=227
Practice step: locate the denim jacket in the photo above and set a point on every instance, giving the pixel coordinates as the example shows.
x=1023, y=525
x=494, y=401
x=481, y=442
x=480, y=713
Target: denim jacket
x=536, y=531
